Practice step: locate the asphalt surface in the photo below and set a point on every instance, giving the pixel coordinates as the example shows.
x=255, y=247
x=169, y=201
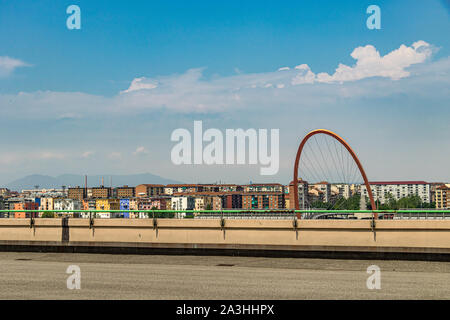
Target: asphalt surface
x=103, y=276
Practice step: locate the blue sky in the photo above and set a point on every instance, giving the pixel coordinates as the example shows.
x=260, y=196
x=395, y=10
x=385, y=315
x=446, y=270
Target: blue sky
x=120, y=40
x=80, y=74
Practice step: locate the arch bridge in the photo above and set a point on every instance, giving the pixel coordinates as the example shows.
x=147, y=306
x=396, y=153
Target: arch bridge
x=351, y=152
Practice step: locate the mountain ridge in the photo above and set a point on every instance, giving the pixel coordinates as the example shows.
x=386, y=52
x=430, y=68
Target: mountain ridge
x=74, y=180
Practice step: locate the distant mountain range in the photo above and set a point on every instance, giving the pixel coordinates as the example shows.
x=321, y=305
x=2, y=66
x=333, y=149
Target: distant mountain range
x=73, y=180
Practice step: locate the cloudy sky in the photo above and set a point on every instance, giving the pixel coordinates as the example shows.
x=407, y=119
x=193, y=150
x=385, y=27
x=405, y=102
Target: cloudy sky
x=105, y=99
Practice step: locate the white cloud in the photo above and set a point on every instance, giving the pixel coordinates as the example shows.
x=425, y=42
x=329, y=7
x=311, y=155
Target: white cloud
x=284, y=69
x=15, y=157
x=369, y=63
x=192, y=92
x=140, y=151
x=49, y=155
x=305, y=75
x=87, y=154
x=114, y=155
x=8, y=65
x=141, y=84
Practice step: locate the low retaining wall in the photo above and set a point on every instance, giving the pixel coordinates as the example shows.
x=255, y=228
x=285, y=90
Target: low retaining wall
x=388, y=237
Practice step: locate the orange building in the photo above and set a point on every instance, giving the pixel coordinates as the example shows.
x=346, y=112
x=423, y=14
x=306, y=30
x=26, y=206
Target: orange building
x=25, y=206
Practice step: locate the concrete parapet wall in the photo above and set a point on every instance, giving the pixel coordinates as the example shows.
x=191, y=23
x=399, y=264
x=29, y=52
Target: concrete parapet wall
x=432, y=234
x=21, y=229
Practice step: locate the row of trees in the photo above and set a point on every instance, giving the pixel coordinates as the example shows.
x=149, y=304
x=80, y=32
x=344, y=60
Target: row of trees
x=353, y=203
x=410, y=202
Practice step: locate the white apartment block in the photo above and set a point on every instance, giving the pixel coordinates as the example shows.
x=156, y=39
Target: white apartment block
x=398, y=189
x=182, y=203
x=67, y=204
x=264, y=187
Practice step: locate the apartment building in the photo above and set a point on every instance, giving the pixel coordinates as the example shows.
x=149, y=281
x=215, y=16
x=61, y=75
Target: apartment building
x=8, y=204
x=398, y=189
x=442, y=197
x=433, y=187
x=232, y=200
x=342, y=190
x=160, y=203
x=324, y=190
x=263, y=200
x=67, y=204
x=46, y=204
x=170, y=189
x=208, y=201
x=25, y=206
x=149, y=190
x=107, y=204
x=303, y=190
x=185, y=202
x=101, y=192
x=134, y=204
x=264, y=187
x=124, y=204
x=77, y=193
x=89, y=205
x=221, y=187
x=125, y=192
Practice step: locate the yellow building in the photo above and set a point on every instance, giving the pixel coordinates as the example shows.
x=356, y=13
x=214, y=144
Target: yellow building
x=443, y=197
x=46, y=204
x=287, y=202
x=107, y=204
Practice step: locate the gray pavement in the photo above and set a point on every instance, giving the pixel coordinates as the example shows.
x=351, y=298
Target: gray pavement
x=103, y=276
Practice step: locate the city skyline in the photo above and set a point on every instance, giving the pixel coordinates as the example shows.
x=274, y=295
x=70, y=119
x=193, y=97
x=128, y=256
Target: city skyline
x=105, y=99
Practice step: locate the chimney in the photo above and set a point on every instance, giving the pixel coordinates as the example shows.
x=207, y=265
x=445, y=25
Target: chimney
x=85, y=185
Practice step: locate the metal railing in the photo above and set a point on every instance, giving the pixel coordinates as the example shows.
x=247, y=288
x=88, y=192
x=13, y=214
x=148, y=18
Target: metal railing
x=410, y=214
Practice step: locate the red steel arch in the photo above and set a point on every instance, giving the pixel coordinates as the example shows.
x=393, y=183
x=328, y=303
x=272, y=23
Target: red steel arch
x=349, y=149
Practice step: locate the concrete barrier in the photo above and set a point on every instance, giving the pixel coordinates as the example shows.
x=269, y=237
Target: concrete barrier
x=23, y=229
x=357, y=236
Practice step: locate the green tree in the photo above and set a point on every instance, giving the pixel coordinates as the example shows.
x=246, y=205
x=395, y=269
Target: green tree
x=48, y=214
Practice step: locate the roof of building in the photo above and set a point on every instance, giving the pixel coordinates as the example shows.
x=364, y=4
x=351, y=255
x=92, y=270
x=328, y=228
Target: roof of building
x=205, y=193
x=300, y=180
x=151, y=185
x=397, y=182
x=263, y=184
x=218, y=185
x=183, y=185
